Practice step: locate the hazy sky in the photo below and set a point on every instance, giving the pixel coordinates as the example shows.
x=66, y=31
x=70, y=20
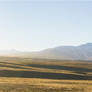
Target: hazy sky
x=31, y=25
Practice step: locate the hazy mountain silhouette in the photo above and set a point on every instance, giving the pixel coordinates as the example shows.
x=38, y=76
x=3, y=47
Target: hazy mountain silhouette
x=82, y=52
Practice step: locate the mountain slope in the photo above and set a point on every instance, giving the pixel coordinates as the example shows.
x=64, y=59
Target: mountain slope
x=82, y=52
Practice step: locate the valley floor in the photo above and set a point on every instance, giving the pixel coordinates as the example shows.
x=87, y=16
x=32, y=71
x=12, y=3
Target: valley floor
x=43, y=85
x=40, y=75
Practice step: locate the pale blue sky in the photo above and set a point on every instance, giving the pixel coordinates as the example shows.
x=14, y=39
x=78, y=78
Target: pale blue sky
x=36, y=25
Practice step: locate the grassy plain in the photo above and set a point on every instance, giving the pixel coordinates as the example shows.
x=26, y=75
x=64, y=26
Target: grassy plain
x=43, y=75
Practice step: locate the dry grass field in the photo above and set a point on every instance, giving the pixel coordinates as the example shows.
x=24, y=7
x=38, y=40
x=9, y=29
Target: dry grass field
x=41, y=75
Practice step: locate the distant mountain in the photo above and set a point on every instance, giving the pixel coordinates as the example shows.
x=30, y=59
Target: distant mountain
x=82, y=52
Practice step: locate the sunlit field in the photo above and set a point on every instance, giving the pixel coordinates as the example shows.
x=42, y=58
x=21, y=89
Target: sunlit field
x=42, y=75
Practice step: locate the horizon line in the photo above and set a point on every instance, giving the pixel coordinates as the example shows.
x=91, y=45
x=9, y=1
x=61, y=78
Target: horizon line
x=14, y=49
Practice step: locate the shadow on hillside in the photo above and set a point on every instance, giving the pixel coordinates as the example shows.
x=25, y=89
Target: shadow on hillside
x=58, y=67
x=10, y=66
x=76, y=69
x=42, y=75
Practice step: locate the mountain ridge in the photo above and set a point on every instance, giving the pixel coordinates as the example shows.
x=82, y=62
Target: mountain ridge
x=81, y=52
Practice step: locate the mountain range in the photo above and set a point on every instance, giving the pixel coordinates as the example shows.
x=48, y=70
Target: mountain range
x=81, y=52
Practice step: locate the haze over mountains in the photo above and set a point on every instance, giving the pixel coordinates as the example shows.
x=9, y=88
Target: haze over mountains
x=82, y=52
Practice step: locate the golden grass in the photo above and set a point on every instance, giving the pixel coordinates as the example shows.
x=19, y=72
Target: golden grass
x=48, y=84
x=44, y=75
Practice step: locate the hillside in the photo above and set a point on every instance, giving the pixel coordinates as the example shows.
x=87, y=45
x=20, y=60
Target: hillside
x=44, y=75
x=45, y=69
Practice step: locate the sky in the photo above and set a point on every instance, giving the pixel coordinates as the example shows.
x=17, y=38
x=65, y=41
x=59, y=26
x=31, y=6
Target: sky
x=33, y=25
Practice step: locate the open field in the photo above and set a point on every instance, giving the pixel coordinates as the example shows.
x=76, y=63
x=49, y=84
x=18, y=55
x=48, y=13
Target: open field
x=41, y=75
x=43, y=85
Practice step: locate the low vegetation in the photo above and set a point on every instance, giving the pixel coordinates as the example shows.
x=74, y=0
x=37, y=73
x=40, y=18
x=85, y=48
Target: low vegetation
x=42, y=75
